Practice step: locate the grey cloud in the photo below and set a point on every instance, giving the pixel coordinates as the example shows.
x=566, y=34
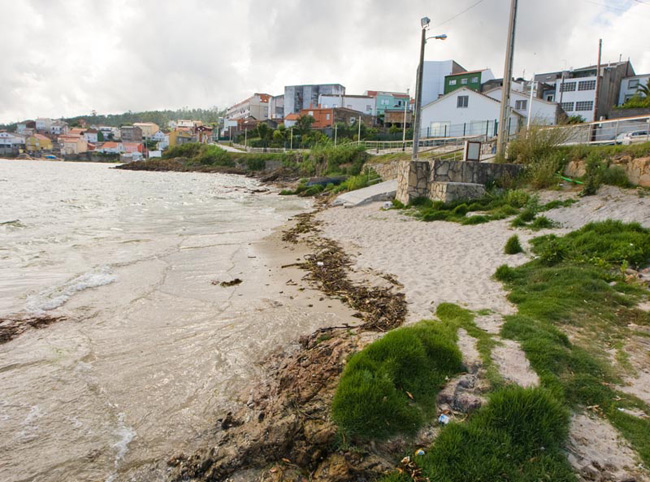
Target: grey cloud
x=68, y=57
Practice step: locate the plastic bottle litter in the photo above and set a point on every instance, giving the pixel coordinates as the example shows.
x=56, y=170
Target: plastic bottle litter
x=443, y=419
x=419, y=452
x=320, y=263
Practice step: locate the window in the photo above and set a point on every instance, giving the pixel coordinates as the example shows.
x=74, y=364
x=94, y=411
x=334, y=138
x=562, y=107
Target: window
x=587, y=85
x=474, y=80
x=633, y=84
x=463, y=81
x=585, y=106
x=521, y=105
x=452, y=82
x=311, y=113
x=568, y=87
x=549, y=98
x=327, y=117
x=463, y=101
x=567, y=106
x=368, y=108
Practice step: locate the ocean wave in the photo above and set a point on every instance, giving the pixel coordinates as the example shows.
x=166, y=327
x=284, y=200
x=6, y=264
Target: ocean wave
x=53, y=298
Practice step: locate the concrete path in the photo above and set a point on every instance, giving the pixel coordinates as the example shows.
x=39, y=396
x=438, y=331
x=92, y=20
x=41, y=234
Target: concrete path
x=383, y=191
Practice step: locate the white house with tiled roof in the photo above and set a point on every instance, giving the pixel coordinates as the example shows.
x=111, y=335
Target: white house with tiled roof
x=464, y=112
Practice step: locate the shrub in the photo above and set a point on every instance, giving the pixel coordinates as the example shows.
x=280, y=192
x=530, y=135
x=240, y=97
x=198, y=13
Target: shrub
x=616, y=176
x=593, y=176
x=373, y=399
x=513, y=246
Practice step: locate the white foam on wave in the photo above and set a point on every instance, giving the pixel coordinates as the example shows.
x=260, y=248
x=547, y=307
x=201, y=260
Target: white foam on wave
x=126, y=434
x=53, y=298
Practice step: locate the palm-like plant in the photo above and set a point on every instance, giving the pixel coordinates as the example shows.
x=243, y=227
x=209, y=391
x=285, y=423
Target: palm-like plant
x=644, y=89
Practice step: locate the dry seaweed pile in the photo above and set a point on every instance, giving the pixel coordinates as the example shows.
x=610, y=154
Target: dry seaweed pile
x=381, y=308
x=285, y=432
x=12, y=327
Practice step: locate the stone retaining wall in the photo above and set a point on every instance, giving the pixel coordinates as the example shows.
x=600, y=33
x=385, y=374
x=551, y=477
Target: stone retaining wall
x=386, y=170
x=423, y=178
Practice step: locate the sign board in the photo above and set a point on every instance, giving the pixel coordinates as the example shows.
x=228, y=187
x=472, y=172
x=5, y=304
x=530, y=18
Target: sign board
x=472, y=151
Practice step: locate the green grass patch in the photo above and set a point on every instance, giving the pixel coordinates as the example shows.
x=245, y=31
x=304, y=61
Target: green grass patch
x=513, y=246
x=576, y=286
x=519, y=436
x=390, y=387
x=496, y=205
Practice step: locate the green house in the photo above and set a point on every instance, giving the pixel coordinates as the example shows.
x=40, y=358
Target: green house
x=471, y=80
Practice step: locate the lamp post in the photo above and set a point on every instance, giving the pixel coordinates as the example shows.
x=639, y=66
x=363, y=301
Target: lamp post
x=424, y=23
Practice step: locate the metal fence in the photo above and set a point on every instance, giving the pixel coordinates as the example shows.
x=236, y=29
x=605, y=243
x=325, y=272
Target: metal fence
x=617, y=131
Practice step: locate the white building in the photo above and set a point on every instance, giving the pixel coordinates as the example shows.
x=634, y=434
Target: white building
x=464, y=112
x=162, y=139
x=361, y=103
x=543, y=112
x=9, y=140
x=630, y=86
x=43, y=124
x=59, y=127
x=433, y=78
x=91, y=135
x=256, y=106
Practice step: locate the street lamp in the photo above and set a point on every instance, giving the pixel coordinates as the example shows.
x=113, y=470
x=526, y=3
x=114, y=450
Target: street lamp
x=424, y=22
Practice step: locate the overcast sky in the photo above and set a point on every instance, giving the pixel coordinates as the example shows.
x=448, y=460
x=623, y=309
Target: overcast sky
x=69, y=57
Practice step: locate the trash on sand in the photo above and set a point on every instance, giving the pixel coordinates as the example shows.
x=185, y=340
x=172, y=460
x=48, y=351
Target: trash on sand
x=419, y=452
x=320, y=263
x=443, y=419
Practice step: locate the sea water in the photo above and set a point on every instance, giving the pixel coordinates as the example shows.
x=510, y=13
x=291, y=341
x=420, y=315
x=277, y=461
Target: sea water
x=151, y=347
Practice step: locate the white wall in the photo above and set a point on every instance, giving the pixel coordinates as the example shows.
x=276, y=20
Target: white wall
x=470, y=120
x=433, y=79
x=363, y=104
x=543, y=112
x=627, y=91
x=568, y=99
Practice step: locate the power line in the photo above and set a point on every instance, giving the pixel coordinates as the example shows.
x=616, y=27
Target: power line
x=460, y=13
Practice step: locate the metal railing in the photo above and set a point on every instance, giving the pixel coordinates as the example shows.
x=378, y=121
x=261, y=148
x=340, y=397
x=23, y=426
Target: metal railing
x=615, y=131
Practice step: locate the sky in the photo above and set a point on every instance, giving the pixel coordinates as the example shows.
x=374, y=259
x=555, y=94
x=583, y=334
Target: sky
x=66, y=58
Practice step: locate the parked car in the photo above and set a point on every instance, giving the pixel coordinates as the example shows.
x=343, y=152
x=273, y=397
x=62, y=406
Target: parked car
x=633, y=137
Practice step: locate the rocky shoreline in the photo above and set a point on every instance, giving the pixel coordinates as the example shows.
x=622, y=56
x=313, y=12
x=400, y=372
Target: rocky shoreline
x=284, y=432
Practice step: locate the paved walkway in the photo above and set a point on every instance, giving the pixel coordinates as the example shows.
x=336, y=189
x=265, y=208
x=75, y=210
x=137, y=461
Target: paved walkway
x=383, y=191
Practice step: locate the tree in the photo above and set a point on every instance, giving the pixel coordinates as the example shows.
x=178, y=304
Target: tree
x=303, y=124
x=100, y=136
x=644, y=89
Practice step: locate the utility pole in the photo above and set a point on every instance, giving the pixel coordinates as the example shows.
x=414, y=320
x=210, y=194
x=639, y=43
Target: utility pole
x=246, y=139
x=335, y=132
x=600, y=58
x=507, y=80
x=291, y=146
x=418, y=91
x=406, y=103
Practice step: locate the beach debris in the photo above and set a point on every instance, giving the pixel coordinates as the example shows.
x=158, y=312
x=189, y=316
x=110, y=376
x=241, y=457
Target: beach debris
x=443, y=419
x=226, y=284
x=10, y=328
x=419, y=452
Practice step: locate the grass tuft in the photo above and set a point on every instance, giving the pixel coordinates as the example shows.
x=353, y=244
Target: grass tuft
x=513, y=246
x=518, y=436
x=372, y=400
